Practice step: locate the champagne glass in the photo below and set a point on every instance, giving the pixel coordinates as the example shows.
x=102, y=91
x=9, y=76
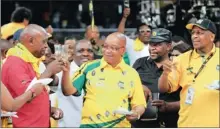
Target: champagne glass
x=58, y=51
x=64, y=53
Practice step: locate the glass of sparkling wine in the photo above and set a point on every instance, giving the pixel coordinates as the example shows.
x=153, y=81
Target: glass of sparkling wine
x=58, y=51
x=64, y=53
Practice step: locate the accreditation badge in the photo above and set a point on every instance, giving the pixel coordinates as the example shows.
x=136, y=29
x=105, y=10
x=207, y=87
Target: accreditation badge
x=190, y=95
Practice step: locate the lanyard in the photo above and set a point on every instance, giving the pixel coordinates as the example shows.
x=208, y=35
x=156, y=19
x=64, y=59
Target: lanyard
x=202, y=66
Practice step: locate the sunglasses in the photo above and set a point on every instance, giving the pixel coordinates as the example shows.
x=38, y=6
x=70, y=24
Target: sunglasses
x=143, y=31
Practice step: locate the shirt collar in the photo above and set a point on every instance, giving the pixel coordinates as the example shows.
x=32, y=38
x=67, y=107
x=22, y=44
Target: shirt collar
x=73, y=64
x=197, y=55
x=150, y=60
x=121, y=65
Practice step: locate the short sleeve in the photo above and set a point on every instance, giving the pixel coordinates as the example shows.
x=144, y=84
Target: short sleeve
x=175, y=75
x=18, y=78
x=79, y=79
x=138, y=97
x=129, y=42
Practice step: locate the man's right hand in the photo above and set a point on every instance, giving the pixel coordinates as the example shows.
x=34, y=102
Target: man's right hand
x=55, y=67
x=126, y=12
x=38, y=88
x=66, y=67
x=167, y=66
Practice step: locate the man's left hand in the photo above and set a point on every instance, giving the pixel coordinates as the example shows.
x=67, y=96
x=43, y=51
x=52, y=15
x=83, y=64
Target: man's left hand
x=133, y=117
x=161, y=104
x=56, y=113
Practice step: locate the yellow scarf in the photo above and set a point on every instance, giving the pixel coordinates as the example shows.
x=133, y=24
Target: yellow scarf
x=22, y=52
x=138, y=45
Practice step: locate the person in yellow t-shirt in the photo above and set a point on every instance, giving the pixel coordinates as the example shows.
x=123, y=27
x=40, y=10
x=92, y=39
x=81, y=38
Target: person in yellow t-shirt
x=197, y=72
x=19, y=19
x=109, y=84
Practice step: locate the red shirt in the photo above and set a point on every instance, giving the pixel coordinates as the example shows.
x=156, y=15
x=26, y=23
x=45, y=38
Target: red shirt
x=17, y=75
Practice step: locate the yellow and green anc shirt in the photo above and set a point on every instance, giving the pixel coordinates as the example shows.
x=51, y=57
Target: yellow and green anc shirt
x=107, y=89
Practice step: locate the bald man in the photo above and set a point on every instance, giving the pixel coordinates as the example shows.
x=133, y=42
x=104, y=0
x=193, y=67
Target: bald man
x=93, y=35
x=20, y=68
x=109, y=84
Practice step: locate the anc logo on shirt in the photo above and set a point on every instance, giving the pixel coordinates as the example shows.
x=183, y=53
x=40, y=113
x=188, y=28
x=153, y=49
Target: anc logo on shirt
x=100, y=82
x=129, y=94
x=199, y=21
x=132, y=83
x=154, y=33
x=124, y=101
x=90, y=117
x=218, y=67
x=123, y=72
x=98, y=116
x=93, y=73
x=121, y=85
x=107, y=113
x=88, y=82
x=102, y=69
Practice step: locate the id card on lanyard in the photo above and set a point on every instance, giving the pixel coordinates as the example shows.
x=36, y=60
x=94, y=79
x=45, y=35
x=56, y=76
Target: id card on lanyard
x=191, y=91
x=190, y=95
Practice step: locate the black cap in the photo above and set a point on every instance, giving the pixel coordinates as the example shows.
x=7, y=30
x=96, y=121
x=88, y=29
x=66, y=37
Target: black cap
x=160, y=35
x=205, y=24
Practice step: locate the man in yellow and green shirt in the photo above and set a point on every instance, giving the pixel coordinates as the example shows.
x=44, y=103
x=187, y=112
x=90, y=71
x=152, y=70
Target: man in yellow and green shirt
x=109, y=83
x=197, y=72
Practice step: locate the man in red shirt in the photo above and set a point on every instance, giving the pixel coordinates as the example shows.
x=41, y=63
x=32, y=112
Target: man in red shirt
x=20, y=68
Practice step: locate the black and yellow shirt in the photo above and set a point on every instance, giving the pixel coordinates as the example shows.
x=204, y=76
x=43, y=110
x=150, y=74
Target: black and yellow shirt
x=107, y=89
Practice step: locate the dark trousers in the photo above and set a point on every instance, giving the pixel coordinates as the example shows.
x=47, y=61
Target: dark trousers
x=145, y=124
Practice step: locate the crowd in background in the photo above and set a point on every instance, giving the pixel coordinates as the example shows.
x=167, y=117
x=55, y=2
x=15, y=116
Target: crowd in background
x=173, y=14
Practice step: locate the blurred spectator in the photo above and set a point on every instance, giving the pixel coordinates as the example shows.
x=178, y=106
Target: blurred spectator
x=56, y=20
x=5, y=45
x=139, y=47
x=150, y=68
x=179, y=46
x=49, y=55
x=16, y=36
x=71, y=105
x=70, y=43
x=19, y=19
x=93, y=35
x=217, y=43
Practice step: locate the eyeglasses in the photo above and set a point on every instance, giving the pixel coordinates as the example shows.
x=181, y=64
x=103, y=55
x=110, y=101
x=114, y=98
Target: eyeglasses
x=105, y=47
x=143, y=31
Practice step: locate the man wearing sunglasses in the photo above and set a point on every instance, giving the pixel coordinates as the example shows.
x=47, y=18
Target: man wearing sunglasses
x=139, y=47
x=197, y=72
